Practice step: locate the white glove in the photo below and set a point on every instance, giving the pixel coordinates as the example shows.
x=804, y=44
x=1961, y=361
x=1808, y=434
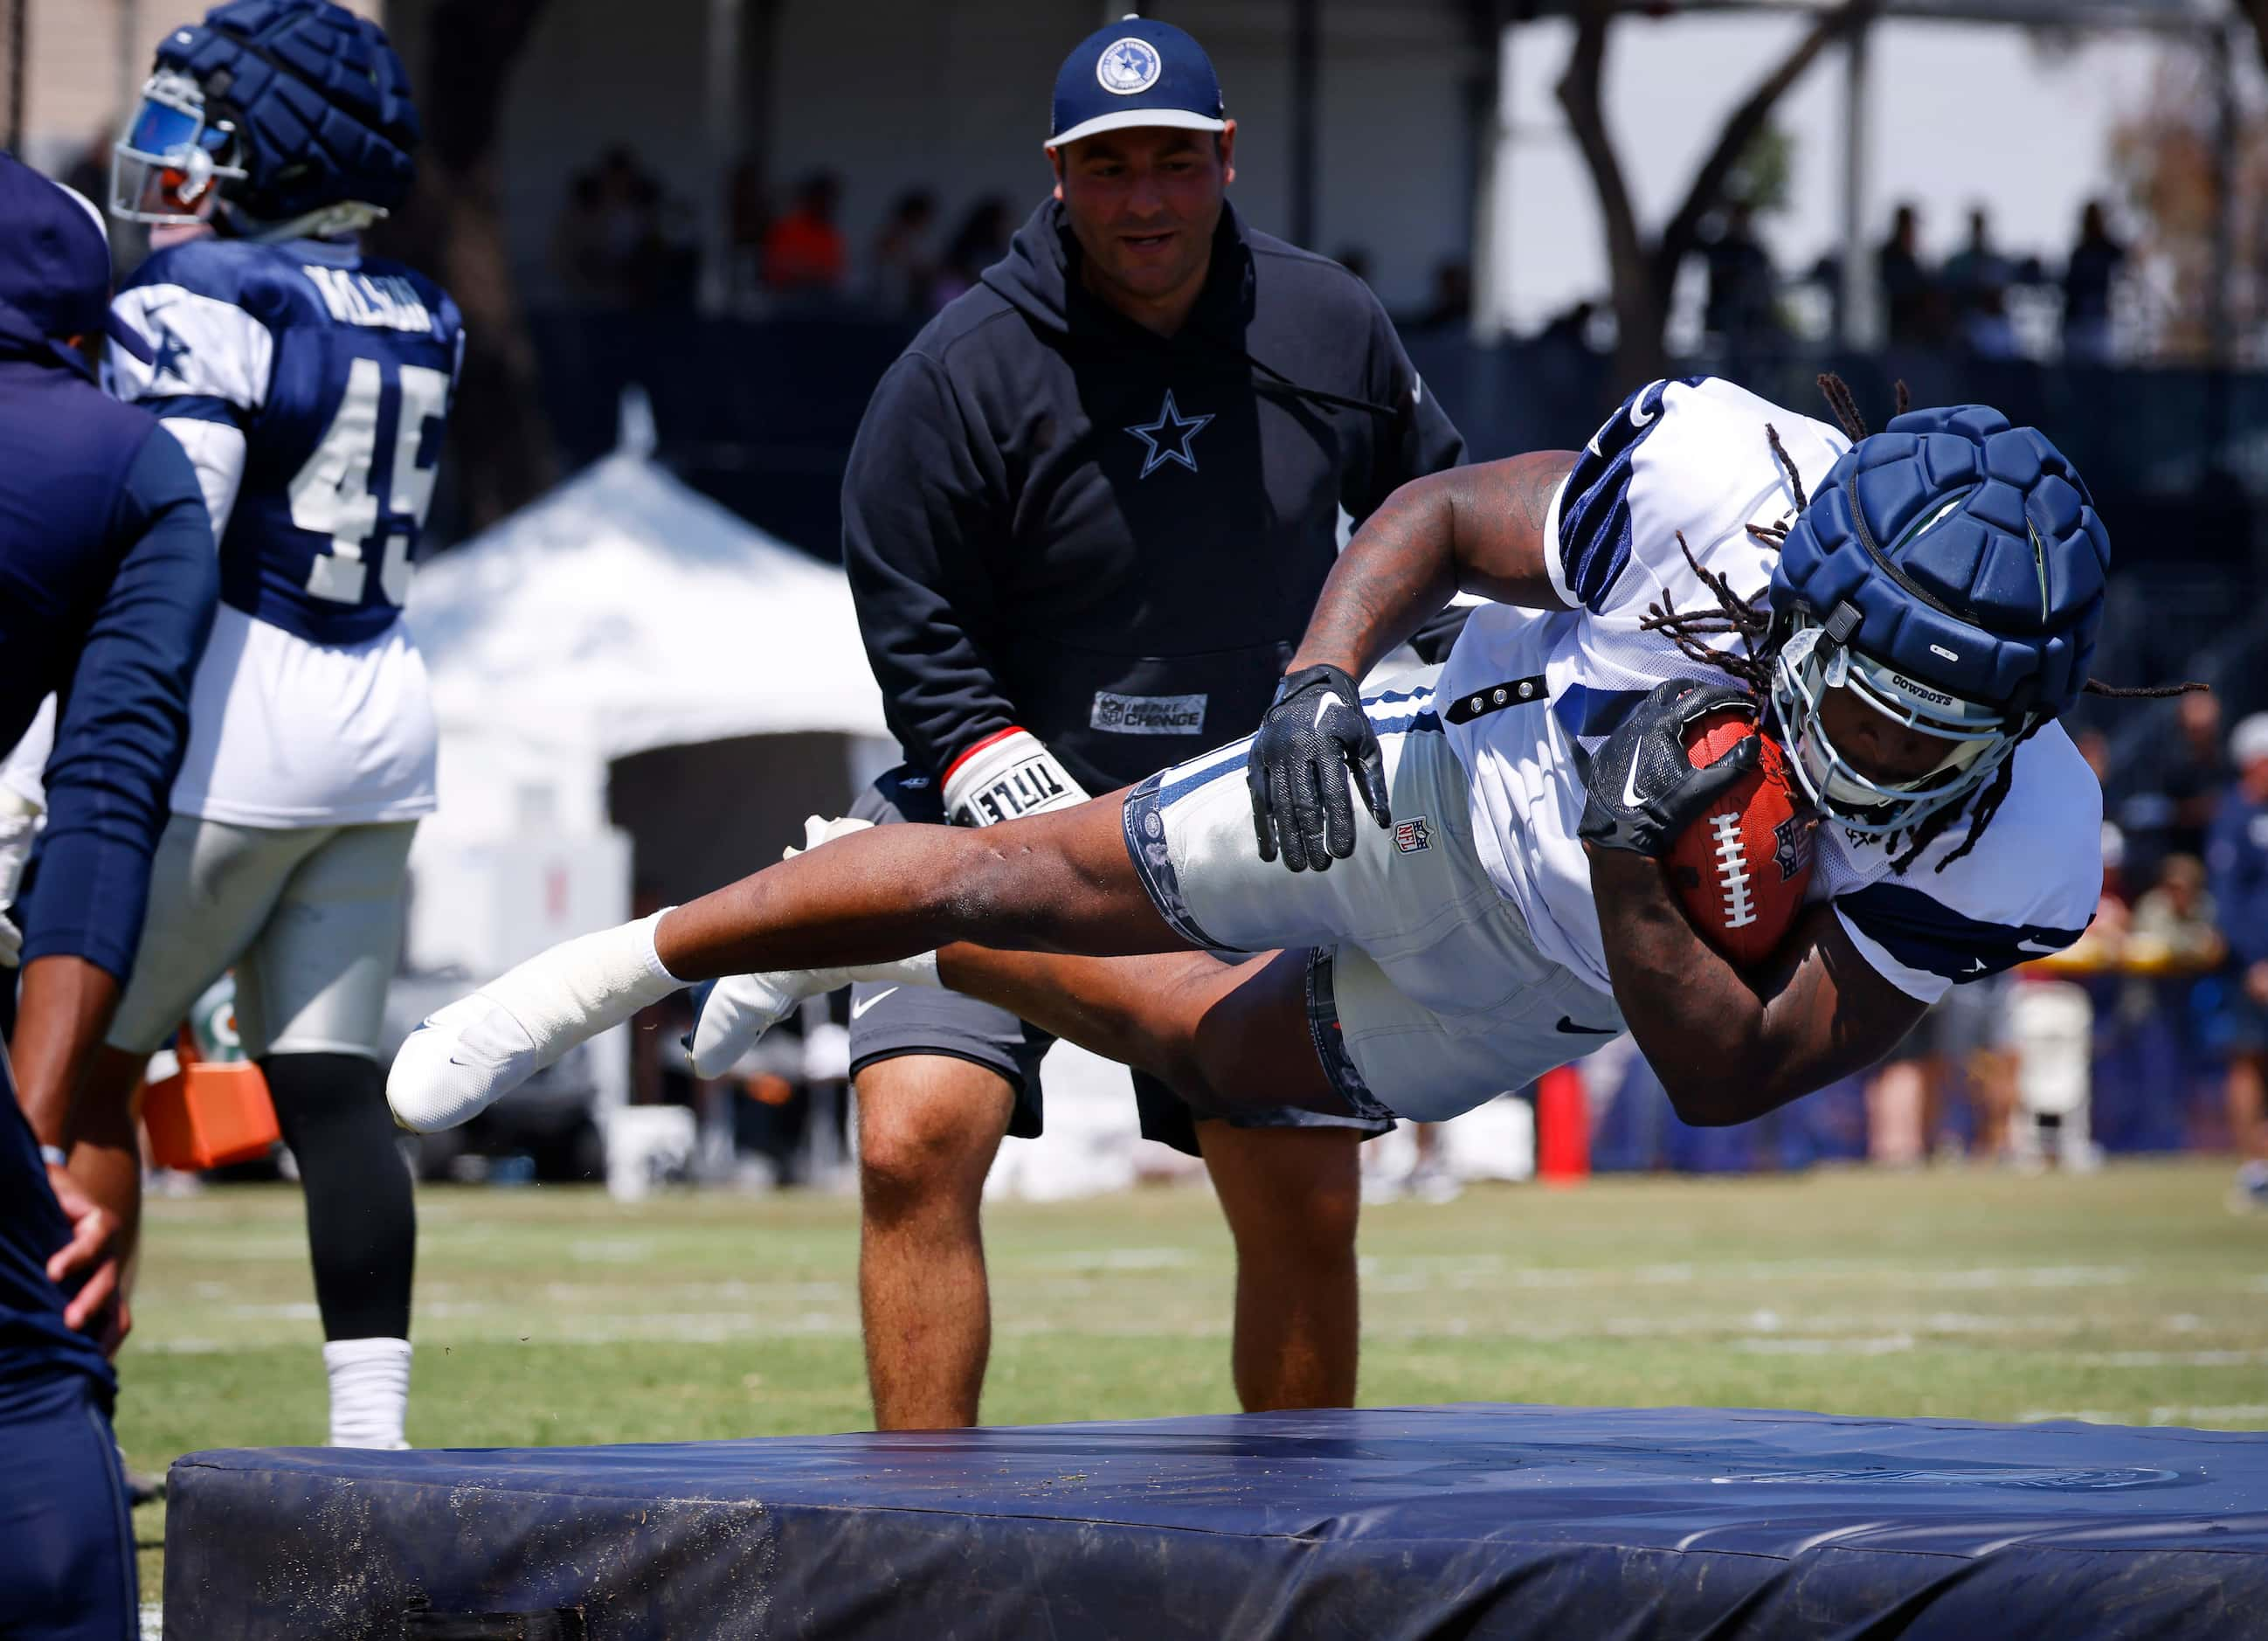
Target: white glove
x=19, y=824
x=1005, y=777
x=730, y=1015
x=818, y=829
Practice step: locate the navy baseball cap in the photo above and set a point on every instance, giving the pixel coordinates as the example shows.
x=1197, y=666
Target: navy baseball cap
x=1136, y=72
x=55, y=260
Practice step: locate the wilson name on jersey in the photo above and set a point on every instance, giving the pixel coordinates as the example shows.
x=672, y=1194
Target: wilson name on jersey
x=338, y=370
x=1684, y=467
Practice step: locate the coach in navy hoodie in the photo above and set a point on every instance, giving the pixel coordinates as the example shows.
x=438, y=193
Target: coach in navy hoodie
x=1051, y=510
x=1087, y=518
x=107, y=585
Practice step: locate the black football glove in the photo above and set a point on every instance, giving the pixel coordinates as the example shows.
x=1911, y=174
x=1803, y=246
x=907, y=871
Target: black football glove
x=1314, y=737
x=1644, y=789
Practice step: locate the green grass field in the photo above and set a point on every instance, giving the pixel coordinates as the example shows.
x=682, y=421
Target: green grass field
x=546, y=1315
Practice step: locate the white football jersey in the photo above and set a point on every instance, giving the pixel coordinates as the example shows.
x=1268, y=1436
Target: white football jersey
x=1527, y=696
x=310, y=386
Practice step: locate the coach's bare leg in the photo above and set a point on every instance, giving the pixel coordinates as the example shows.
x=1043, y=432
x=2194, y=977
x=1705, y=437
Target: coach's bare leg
x=929, y=1126
x=2247, y=1101
x=1291, y=1196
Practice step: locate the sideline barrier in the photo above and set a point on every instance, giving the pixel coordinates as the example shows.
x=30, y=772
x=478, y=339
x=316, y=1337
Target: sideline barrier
x=1391, y=1522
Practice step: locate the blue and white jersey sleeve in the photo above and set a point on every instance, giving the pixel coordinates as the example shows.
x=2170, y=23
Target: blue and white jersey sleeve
x=2028, y=890
x=210, y=357
x=207, y=370
x=1686, y=457
x=311, y=385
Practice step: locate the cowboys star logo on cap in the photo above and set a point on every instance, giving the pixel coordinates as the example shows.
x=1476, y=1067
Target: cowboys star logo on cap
x=1128, y=66
x=1135, y=72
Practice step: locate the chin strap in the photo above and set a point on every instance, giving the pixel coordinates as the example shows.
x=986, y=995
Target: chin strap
x=346, y=217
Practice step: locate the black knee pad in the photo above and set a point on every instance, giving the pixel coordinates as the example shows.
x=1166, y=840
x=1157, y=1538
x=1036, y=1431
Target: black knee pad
x=361, y=1218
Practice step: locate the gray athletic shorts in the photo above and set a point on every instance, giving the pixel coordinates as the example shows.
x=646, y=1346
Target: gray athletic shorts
x=888, y=1020
x=1966, y=1020
x=310, y=917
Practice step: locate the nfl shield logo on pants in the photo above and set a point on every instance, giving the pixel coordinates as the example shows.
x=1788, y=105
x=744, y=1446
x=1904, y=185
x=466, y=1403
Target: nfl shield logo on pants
x=1412, y=834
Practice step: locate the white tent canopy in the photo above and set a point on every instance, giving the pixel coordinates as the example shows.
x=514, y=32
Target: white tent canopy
x=621, y=613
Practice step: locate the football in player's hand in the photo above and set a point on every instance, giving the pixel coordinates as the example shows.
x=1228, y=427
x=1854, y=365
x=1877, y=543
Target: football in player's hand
x=1741, y=869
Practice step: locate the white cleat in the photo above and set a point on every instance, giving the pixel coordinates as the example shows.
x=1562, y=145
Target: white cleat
x=460, y=1060
x=465, y=1057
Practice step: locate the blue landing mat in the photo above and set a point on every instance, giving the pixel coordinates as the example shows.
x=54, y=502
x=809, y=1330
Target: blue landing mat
x=1391, y=1522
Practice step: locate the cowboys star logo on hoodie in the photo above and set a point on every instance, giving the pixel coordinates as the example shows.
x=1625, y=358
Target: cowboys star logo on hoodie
x=1169, y=438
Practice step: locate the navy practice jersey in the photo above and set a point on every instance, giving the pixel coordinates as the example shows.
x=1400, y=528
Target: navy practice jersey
x=337, y=368
x=107, y=591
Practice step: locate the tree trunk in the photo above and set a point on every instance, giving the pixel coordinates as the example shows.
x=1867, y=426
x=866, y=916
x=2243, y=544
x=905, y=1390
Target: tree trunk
x=2255, y=13
x=1639, y=314
x=452, y=228
x=1644, y=276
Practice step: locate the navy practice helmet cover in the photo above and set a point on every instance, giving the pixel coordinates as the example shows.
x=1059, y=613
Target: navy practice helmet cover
x=320, y=98
x=1986, y=574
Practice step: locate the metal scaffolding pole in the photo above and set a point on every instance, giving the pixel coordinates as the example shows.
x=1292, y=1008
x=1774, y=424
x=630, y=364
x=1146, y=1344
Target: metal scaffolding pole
x=16, y=50
x=2220, y=336
x=1307, y=73
x=1856, y=310
x=721, y=115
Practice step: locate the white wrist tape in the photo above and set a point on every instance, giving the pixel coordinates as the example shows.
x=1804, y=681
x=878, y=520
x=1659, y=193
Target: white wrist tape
x=1005, y=777
x=587, y=985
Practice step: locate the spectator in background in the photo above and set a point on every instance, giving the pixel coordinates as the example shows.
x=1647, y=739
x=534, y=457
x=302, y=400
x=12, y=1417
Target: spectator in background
x=1909, y=294
x=804, y=252
x=665, y=267
x=2237, y=864
x=2087, y=282
x=1450, y=307
x=2176, y=920
x=980, y=240
x=1569, y=330
x=748, y=214
x=903, y=269
x=627, y=199
x=580, y=259
x=1562, y=364
x=1826, y=274
x=1742, y=286
x=1976, y=279
x=1355, y=260
x=2195, y=774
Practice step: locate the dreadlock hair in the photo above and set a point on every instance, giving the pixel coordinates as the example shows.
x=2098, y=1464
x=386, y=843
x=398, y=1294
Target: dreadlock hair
x=1761, y=638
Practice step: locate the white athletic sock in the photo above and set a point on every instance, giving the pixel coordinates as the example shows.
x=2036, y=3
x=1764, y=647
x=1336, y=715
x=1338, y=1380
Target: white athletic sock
x=587, y=985
x=370, y=1391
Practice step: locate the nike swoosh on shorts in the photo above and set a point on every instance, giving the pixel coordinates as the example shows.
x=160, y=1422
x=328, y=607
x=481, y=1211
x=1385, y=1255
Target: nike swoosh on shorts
x=860, y=1006
x=1567, y=1024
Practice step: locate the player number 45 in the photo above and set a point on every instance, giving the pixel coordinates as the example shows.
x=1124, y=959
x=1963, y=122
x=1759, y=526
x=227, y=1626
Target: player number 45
x=335, y=494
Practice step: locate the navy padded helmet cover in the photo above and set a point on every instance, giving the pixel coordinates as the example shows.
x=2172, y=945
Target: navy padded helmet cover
x=2004, y=538
x=322, y=100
